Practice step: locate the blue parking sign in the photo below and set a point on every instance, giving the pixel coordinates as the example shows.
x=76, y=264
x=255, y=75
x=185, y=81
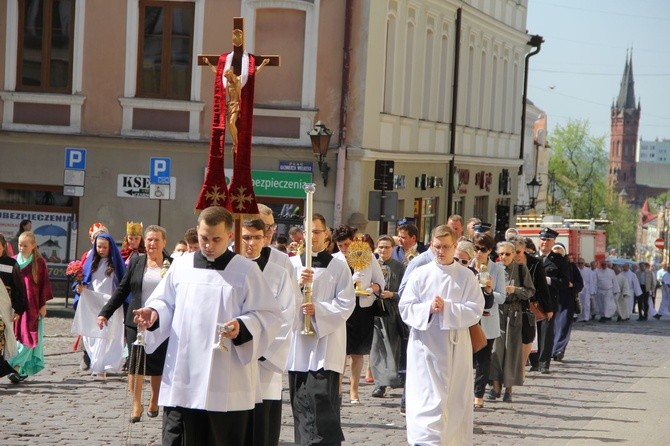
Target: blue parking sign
x=160, y=171
x=75, y=159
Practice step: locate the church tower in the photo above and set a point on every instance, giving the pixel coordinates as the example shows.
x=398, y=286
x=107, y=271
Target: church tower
x=625, y=118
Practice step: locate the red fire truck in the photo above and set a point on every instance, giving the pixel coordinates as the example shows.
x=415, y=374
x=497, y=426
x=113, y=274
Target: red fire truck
x=587, y=243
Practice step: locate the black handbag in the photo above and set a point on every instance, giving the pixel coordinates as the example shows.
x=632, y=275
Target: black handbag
x=380, y=308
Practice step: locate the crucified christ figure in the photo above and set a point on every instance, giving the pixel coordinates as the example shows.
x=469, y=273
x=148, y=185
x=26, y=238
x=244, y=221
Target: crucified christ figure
x=233, y=95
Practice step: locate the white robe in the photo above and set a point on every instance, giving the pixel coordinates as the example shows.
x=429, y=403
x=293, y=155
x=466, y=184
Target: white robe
x=285, y=290
x=190, y=302
x=623, y=298
x=439, y=354
x=608, y=287
x=7, y=314
x=334, y=301
x=104, y=347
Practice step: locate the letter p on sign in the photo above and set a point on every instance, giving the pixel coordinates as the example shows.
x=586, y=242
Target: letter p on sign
x=160, y=171
x=75, y=159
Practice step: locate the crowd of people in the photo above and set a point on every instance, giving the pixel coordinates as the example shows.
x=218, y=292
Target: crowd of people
x=215, y=332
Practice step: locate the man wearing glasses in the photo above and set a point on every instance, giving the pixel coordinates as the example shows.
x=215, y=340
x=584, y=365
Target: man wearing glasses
x=316, y=361
x=440, y=301
x=272, y=362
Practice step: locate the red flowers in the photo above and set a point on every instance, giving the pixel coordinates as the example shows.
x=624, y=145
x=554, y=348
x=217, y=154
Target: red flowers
x=75, y=271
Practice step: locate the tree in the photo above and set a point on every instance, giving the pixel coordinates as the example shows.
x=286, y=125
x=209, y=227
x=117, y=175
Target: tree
x=622, y=230
x=578, y=170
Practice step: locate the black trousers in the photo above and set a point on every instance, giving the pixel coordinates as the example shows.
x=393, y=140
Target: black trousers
x=545, y=344
x=315, y=402
x=643, y=304
x=482, y=362
x=201, y=427
x=267, y=422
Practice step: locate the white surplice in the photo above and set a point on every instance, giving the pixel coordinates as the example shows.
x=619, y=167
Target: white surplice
x=7, y=314
x=334, y=301
x=439, y=354
x=190, y=302
x=285, y=289
x=104, y=347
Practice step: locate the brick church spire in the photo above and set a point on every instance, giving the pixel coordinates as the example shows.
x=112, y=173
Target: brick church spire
x=625, y=122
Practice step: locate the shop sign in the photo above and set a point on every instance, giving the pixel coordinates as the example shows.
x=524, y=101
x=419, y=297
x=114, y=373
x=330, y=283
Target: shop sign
x=271, y=183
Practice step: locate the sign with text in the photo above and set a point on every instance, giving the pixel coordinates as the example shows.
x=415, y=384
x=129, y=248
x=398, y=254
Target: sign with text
x=269, y=183
x=296, y=166
x=159, y=171
x=138, y=186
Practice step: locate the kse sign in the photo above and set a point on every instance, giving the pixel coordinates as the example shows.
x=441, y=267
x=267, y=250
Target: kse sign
x=137, y=186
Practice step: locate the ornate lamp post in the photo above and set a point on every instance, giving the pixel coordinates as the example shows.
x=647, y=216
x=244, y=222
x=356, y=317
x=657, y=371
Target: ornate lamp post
x=320, y=136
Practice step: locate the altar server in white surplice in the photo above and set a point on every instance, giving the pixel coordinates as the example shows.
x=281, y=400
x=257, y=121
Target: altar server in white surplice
x=272, y=362
x=441, y=300
x=213, y=306
x=316, y=361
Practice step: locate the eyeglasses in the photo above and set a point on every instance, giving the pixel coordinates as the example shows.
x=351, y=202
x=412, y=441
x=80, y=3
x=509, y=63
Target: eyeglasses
x=481, y=248
x=443, y=247
x=272, y=227
x=505, y=254
x=249, y=238
x=463, y=261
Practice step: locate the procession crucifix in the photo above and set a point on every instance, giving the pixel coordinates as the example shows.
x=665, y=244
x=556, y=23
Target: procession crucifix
x=233, y=107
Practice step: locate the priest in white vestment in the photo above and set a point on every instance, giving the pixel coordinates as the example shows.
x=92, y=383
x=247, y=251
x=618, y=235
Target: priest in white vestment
x=272, y=362
x=315, y=362
x=213, y=306
x=441, y=300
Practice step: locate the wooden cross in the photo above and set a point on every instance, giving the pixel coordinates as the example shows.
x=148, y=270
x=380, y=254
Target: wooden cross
x=238, y=49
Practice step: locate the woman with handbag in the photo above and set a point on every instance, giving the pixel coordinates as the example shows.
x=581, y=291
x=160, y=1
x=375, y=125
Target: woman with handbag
x=506, y=364
x=492, y=283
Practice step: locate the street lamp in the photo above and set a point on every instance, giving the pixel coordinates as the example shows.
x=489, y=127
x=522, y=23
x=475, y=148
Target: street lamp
x=320, y=137
x=567, y=208
x=533, y=191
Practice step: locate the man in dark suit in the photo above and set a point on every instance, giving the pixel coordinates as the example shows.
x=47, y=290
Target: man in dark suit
x=410, y=248
x=556, y=270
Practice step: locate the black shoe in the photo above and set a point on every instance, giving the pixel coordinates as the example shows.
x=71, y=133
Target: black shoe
x=379, y=392
x=15, y=378
x=136, y=419
x=493, y=395
x=152, y=414
x=507, y=397
x=534, y=369
x=545, y=371
x=559, y=356
x=657, y=316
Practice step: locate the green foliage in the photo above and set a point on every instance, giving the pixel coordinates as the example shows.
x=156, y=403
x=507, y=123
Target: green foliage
x=577, y=170
x=621, y=232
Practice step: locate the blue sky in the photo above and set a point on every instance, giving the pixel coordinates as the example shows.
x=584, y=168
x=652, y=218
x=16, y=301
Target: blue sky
x=578, y=72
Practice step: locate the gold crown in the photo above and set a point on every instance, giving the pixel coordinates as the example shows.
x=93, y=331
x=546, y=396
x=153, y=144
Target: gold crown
x=133, y=228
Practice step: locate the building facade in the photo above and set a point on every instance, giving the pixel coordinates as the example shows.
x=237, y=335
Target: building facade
x=435, y=87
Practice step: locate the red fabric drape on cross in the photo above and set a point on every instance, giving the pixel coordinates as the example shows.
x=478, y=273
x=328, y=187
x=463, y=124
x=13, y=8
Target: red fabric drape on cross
x=214, y=191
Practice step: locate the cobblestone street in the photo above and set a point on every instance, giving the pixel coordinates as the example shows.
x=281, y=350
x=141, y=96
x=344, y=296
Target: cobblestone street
x=611, y=388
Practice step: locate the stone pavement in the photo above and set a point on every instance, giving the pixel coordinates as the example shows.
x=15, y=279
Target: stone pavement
x=612, y=387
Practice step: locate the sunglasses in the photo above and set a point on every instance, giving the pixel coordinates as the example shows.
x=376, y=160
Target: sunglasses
x=463, y=261
x=481, y=248
x=505, y=254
